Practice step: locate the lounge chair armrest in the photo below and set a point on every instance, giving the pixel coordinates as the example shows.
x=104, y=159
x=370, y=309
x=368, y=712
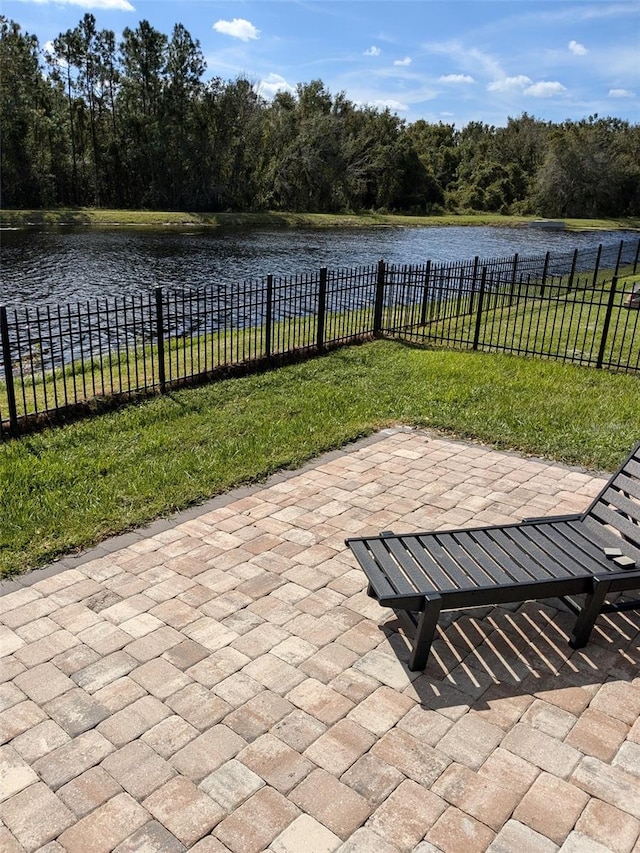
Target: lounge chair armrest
x=574, y=516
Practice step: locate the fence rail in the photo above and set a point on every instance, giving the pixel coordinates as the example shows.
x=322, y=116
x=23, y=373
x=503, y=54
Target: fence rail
x=571, y=307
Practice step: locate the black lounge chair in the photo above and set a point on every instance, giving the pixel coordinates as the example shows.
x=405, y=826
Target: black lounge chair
x=595, y=553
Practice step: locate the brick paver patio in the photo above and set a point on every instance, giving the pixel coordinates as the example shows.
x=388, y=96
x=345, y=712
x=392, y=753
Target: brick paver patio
x=221, y=682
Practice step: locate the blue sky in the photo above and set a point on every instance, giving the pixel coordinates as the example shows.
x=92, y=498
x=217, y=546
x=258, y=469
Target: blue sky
x=442, y=60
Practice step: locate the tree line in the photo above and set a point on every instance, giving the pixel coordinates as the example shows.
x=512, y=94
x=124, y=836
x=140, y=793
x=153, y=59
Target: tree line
x=134, y=124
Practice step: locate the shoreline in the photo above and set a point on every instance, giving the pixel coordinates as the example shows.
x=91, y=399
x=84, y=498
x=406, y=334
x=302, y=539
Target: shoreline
x=103, y=218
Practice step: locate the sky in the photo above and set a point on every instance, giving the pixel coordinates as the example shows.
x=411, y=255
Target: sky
x=451, y=61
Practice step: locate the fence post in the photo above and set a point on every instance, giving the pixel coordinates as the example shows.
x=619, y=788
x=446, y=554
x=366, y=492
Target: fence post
x=635, y=260
x=545, y=271
x=379, y=304
x=597, y=269
x=8, y=372
x=162, y=377
x=573, y=269
x=607, y=321
x=322, y=307
x=618, y=259
x=476, y=262
x=425, y=298
x=269, y=318
x=476, y=336
x=514, y=275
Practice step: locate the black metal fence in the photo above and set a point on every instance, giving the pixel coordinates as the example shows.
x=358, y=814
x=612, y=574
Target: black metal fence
x=58, y=359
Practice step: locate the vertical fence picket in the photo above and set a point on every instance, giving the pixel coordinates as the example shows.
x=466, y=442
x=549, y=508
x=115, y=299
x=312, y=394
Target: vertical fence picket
x=545, y=272
x=476, y=334
x=597, y=268
x=618, y=259
x=269, y=317
x=379, y=303
x=574, y=262
x=474, y=279
x=607, y=322
x=425, y=298
x=322, y=307
x=8, y=372
x=162, y=379
x=514, y=277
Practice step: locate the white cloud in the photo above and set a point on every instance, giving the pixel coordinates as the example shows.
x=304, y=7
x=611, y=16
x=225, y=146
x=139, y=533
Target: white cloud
x=469, y=59
x=391, y=103
x=405, y=61
x=621, y=93
x=272, y=84
x=238, y=28
x=545, y=89
x=577, y=49
x=508, y=84
x=50, y=55
x=110, y=5
x=456, y=78
x=372, y=51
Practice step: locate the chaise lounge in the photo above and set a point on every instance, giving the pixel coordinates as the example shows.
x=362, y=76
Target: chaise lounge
x=595, y=553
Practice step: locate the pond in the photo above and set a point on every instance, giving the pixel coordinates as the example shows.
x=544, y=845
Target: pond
x=62, y=265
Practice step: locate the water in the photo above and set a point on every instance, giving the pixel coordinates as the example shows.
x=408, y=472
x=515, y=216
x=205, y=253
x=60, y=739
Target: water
x=62, y=265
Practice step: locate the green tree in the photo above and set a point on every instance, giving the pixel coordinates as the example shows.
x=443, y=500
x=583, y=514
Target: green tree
x=182, y=90
x=25, y=113
x=139, y=102
x=437, y=147
x=585, y=172
x=239, y=138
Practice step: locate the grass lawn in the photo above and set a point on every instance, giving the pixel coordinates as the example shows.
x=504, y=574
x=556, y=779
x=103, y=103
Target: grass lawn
x=69, y=487
x=99, y=217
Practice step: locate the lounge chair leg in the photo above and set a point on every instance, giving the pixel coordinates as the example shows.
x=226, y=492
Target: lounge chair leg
x=589, y=613
x=425, y=631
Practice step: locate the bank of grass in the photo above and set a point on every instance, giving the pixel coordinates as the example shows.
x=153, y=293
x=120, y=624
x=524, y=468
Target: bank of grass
x=67, y=488
x=98, y=217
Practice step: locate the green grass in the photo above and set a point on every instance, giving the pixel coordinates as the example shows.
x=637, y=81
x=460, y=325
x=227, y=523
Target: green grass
x=99, y=217
x=69, y=487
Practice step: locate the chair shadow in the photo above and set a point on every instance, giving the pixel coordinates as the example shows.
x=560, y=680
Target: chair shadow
x=502, y=652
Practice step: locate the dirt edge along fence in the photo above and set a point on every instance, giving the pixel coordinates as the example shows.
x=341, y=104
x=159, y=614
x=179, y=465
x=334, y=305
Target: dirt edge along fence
x=61, y=360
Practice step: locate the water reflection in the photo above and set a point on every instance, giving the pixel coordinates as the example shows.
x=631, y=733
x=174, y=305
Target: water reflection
x=53, y=266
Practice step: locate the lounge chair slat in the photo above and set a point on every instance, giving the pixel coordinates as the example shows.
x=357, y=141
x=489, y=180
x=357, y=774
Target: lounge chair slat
x=530, y=555
x=454, y=544
x=428, y=577
x=583, y=539
x=570, y=563
x=397, y=579
x=614, y=519
x=378, y=580
x=482, y=542
x=562, y=563
x=627, y=484
x=621, y=502
x=442, y=570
